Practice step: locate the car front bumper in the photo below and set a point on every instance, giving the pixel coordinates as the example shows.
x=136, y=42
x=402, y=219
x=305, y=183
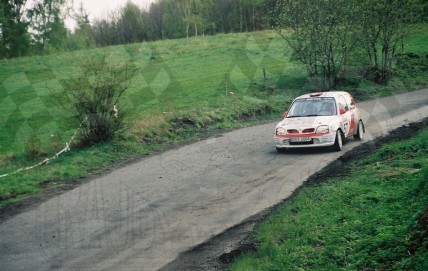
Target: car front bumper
x=305, y=140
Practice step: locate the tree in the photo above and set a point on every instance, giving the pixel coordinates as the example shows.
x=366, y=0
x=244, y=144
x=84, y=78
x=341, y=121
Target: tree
x=47, y=24
x=14, y=38
x=194, y=16
x=101, y=32
x=157, y=19
x=172, y=20
x=322, y=35
x=132, y=23
x=221, y=13
x=256, y=13
x=383, y=30
x=82, y=37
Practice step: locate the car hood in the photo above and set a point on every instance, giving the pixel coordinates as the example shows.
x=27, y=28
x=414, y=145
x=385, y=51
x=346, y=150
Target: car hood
x=307, y=122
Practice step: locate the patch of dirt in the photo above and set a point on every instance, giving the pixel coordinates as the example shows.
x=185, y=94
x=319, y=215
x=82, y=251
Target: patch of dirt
x=219, y=252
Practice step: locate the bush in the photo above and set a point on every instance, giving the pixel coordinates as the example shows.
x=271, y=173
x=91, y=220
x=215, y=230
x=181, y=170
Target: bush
x=96, y=93
x=412, y=63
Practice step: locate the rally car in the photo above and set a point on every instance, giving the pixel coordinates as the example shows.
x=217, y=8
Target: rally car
x=322, y=119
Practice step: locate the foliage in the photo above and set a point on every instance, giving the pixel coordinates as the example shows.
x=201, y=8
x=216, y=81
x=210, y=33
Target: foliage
x=40, y=28
x=47, y=23
x=383, y=25
x=323, y=34
x=365, y=220
x=14, y=39
x=166, y=19
x=95, y=95
x=82, y=37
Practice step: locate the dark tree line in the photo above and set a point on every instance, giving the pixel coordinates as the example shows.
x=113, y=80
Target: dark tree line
x=40, y=28
x=324, y=31
x=170, y=19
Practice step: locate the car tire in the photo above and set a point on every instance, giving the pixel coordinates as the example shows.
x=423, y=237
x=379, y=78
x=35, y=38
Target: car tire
x=281, y=150
x=338, y=142
x=360, y=131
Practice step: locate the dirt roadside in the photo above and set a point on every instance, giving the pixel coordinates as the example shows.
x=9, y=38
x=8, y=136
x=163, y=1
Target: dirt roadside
x=218, y=253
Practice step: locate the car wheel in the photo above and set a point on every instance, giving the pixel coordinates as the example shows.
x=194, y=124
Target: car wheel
x=338, y=143
x=360, y=131
x=281, y=150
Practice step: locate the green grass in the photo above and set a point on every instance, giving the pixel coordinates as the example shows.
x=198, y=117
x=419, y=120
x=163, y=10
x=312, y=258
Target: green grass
x=366, y=220
x=179, y=88
x=173, y=76
x=182, y=89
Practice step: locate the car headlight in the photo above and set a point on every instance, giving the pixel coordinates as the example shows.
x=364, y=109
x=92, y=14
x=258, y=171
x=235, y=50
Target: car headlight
x=323, y=129
x=281, y=131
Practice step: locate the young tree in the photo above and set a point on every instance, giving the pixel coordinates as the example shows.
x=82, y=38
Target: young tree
x=82, y=37
x=383, y=30
x=322, y=35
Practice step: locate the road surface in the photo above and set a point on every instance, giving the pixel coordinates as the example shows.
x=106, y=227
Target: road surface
x=141, y=216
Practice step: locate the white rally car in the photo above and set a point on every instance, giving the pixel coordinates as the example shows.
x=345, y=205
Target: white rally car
x=319, y=120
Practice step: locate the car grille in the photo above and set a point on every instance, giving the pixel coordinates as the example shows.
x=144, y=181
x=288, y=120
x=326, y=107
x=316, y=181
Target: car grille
x=305, y=131
x=309, y=130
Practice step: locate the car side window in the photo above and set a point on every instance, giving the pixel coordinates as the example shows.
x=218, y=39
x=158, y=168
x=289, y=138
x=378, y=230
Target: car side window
x=342, y=103
x=349, y=101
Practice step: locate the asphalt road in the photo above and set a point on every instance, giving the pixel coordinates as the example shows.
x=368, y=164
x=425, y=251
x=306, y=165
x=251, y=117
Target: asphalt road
x=141, y=216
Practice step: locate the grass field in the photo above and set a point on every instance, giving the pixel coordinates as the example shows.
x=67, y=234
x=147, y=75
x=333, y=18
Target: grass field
x=181, y=88
x=369, y=219
x=172, y=76
x=180, y=85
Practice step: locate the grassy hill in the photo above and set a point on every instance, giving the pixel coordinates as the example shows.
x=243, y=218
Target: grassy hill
x=172, y=76
x=181, y=88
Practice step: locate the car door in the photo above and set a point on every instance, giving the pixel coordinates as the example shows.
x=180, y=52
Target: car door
x=355, y=113
x=348, y=122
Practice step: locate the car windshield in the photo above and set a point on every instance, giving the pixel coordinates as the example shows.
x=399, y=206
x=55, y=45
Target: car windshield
x=311, y=107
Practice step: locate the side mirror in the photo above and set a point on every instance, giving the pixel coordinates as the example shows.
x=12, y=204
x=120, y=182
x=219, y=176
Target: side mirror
x=284, y=114
x=342, y=111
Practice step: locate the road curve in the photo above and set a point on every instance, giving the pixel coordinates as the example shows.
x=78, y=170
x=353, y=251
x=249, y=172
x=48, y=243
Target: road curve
x=141, y=216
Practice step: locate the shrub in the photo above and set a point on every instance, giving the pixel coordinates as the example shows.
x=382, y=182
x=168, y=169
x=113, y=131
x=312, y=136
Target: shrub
x=96, y=92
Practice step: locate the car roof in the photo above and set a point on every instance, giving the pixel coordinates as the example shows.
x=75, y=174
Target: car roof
x=323, y=94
